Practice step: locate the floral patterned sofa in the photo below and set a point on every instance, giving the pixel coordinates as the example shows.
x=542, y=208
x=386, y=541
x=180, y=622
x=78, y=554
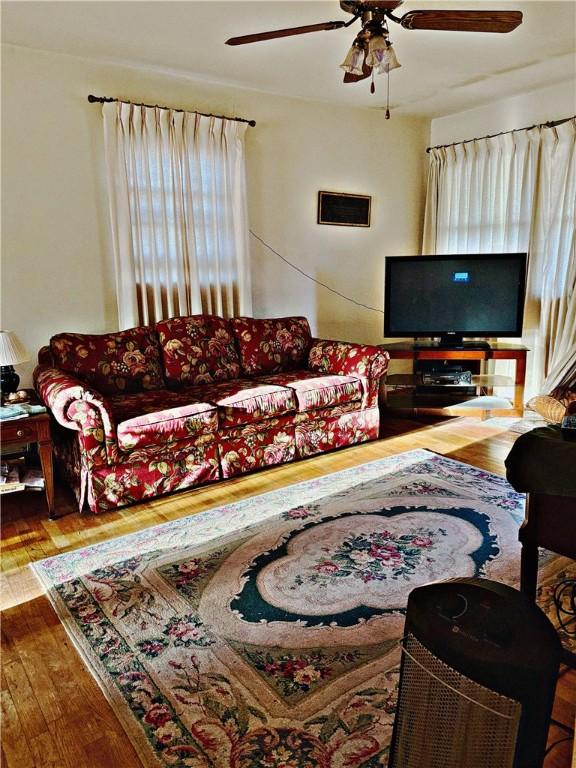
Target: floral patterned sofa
x=151, y=410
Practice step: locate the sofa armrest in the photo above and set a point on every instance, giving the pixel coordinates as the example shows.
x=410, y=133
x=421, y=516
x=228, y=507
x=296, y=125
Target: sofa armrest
x=369, y=363
x=45, y=356
x=77, y=406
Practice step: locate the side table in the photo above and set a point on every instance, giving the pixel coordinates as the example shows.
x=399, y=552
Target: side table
x=542, y=464
x=34, y=429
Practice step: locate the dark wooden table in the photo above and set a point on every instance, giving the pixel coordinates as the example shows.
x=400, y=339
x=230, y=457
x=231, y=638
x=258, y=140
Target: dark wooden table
x=33, y=429
x=542, y=464
x=550, y=522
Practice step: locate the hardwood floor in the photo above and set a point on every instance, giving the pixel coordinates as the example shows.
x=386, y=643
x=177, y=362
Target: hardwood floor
x=53, y=713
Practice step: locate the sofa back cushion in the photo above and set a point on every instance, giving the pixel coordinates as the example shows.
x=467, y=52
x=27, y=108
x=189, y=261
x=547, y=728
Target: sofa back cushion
x=198, y=349
x=271, y=346
x=112, y=363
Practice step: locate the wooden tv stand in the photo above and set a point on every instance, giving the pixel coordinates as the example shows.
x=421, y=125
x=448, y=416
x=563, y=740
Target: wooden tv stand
x=406, y=350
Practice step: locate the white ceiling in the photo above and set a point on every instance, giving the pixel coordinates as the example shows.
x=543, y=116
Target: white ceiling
x=441, y=73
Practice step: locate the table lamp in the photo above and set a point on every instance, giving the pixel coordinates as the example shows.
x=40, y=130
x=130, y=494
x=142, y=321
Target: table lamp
x=12, y=352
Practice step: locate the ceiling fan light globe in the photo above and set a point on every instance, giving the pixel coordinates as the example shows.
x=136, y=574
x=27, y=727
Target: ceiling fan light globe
x=389, y=61
x=377, y=47
x=353, y=61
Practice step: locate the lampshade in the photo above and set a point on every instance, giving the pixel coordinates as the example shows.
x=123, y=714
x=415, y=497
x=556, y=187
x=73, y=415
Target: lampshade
x=12, y=351
x=381, y=55
x=353, y=61
x=376, y=50
x=389, y=60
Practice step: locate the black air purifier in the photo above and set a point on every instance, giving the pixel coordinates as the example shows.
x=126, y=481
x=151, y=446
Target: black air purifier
x=477, y=678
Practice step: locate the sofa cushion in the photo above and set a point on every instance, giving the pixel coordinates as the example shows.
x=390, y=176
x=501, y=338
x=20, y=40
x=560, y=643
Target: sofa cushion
x=268, y=346
x=155, y=418
x=316, y=391
x=253, y=446
x=244, y=401
x=197, y=350
x=127, y=361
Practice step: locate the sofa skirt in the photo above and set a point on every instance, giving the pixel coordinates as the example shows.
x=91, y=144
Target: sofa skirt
x=277, y=441
x=157, y=471
x=335, y=428
x=144, y=474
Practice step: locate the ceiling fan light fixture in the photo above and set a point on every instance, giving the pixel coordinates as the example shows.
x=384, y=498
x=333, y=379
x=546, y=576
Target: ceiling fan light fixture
x=389, y=61
x=377, y=47
x=354, y=60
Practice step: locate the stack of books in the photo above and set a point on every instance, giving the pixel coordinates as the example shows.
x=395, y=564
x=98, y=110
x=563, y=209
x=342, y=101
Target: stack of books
x=16, y=476
x=10, y=412
x=10, y=477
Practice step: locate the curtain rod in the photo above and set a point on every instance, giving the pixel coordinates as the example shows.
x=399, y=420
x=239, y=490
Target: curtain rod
x=550, y=124
x=105, y=99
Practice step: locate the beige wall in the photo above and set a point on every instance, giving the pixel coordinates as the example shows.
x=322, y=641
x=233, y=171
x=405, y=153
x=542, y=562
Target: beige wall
x=56, y=266
x=538, y=106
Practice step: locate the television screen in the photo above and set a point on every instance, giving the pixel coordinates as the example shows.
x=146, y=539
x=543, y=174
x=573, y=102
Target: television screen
x=475, y=295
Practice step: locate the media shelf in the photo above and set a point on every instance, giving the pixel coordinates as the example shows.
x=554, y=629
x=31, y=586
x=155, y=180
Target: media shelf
x=405, y=391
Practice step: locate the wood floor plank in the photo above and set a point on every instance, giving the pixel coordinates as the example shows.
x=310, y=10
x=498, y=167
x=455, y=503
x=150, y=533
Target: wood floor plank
x=24, y=699
x=15, y=747
x=9, y=652
x=64, y=734
x=110, y=749
x=565, y=701
x=560, y=746
x=33, y=655
x=54, y=712
x=45, y=753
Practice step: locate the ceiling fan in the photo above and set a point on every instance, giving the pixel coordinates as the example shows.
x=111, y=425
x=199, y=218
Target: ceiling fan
x=372, y=50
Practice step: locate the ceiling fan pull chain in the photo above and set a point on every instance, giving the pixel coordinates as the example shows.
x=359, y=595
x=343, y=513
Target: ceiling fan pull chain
x=372, y=86
x=387, y=113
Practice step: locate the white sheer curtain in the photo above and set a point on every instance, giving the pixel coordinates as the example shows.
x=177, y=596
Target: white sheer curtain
x=554, y=248
x=514, y=193
x=176, y=185
x=480, y=195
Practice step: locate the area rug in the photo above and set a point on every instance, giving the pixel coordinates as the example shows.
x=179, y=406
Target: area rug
x=529, y=422
x=264, y=634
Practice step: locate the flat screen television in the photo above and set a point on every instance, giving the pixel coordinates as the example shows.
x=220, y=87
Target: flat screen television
x=455, y=296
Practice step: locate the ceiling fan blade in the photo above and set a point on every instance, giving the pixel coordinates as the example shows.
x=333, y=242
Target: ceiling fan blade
x=284, y=32
x=349, y=77
x=463, y=21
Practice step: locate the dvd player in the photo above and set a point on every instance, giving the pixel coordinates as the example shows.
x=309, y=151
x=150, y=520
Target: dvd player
x=447, y=376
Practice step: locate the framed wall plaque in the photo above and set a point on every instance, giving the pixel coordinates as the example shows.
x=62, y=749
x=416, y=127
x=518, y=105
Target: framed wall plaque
x=344, y=210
